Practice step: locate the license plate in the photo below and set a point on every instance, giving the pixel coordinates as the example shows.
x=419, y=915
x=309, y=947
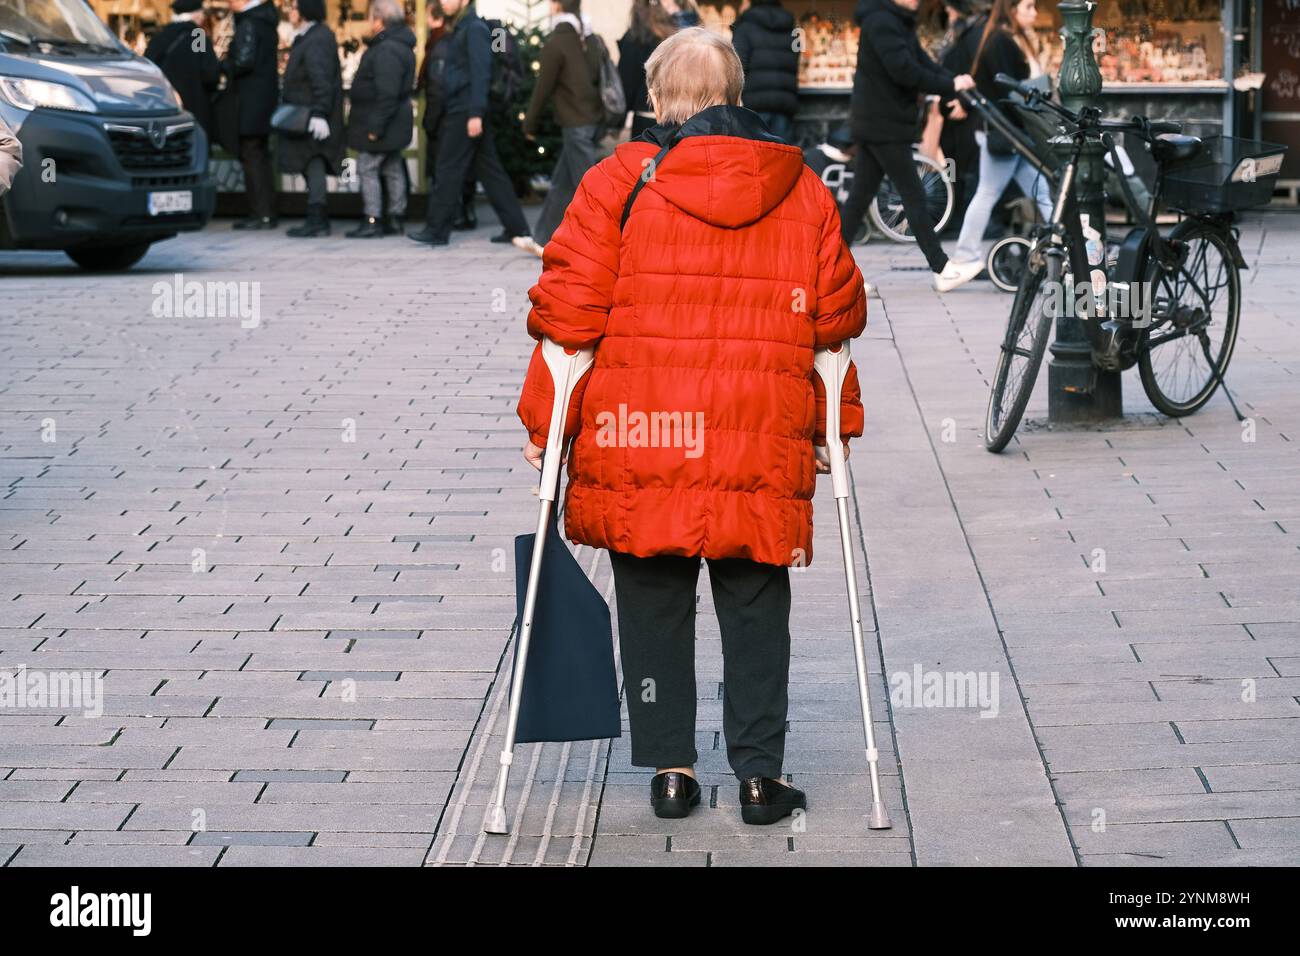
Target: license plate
x=161, y=204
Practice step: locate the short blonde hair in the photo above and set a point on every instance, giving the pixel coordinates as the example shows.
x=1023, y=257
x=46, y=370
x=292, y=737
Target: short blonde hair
x=692, y=70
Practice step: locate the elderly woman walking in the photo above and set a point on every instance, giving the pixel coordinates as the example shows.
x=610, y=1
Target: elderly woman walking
x=704, y=262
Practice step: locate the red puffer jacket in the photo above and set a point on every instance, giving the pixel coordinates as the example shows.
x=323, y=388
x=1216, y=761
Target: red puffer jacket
x=695, y=426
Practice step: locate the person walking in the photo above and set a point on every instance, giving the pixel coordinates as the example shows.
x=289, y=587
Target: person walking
x=11, y=156
x=957, y=138
x=1001, y=46
x=312, y=78
x=465, y=138
x=688, y=307
x=251, y=66
x=569, y=82
x=765, y=40
x=435, y=56
x=892, y=71
x=381, y=119
x=650, y=25
x=183, y=51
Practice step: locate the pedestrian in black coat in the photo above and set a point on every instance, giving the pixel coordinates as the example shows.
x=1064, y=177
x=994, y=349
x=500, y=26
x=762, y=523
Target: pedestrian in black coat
x=436, y=43
x=381, y=118
x=893, y=70
x=465, y=138
x=183, y=51
x=312, y=78
x=251, y=65
x=764, y=38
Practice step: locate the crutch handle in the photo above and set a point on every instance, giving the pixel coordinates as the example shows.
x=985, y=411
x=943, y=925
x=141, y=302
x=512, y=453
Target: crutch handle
x=832, y=364
x=566, y=366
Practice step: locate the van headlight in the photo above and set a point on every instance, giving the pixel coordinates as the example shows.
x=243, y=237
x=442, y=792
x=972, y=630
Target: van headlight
x=29, y=94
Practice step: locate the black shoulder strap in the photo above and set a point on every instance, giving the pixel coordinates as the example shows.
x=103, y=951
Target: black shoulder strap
x=646, y=176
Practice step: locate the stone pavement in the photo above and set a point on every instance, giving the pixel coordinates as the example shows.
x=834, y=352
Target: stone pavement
x=283, y=539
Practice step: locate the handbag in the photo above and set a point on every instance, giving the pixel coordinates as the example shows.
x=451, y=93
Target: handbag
x=291, y=119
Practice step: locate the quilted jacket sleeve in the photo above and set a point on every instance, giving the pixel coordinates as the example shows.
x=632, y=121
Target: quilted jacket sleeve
x=572, y=299
x=840, y=314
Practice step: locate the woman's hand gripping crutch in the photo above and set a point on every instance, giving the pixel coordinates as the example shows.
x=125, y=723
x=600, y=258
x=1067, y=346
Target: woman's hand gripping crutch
x=567, y=366
x=832, y=364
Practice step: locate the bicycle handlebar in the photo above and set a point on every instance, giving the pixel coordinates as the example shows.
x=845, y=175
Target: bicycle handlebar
x=1089, y=118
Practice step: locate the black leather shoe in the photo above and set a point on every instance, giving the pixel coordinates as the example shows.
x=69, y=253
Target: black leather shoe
x=673, y=793
x=369, y=229
x=504, y=237
x=422, y=235
x=764, y=801
x=392, y=226
x=467, y=222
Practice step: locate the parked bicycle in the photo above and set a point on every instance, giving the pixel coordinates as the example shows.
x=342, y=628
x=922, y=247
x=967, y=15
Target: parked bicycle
x=1169, y=304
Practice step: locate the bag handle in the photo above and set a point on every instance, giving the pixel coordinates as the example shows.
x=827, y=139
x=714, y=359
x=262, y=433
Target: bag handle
x=646, y=176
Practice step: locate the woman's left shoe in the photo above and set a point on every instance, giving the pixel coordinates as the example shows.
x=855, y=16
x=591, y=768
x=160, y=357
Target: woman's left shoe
x=673, y=793
x=764, y=801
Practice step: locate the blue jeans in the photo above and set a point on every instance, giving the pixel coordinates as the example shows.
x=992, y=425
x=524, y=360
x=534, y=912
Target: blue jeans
x=996, y=173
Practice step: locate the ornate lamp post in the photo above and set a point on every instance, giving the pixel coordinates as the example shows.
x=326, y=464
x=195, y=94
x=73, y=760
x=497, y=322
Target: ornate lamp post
x=1078, y=391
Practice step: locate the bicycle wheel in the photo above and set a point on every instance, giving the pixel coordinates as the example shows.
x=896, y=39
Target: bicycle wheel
x=887, y=213
x=1006, y=262
x=1194, y=317
x=1028, y=330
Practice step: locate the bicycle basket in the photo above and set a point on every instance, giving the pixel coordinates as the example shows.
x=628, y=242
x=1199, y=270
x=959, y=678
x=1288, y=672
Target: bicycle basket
x=1230, y=174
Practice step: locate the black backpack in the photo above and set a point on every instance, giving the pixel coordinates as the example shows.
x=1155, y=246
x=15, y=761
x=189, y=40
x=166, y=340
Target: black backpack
x=507, y=67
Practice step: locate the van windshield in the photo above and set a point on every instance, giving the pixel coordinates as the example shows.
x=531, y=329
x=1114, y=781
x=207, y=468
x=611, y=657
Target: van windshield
x=57, y=23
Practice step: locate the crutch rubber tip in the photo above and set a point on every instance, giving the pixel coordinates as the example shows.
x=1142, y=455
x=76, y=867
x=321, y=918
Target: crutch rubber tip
x=879, y=817
x=494, y=821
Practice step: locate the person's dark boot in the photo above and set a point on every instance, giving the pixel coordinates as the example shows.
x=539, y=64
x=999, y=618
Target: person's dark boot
x=764, y=801
x=369, y=229
x=316, y=224
x=392, y=226
x=425, y=234
x=673, y=793
x=504, y=236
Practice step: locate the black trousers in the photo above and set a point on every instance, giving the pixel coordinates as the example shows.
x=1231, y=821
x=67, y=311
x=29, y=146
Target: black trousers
x=457, y=155
x=259, y=181
x=656, y=628
x=874, y=162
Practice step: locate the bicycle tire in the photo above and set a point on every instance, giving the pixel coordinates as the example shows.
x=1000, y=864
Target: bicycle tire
x=1008, y=398
x=1006, y=262
x=896, y=229
x=1154, y=383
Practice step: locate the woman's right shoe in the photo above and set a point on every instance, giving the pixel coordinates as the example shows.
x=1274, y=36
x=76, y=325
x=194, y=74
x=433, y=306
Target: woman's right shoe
x=957, y=273
x=370, y=228
x=764, y=801
x=673, y=793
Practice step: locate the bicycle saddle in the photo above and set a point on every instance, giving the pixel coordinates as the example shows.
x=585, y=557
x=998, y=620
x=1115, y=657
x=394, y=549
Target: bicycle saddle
x=1175, y=147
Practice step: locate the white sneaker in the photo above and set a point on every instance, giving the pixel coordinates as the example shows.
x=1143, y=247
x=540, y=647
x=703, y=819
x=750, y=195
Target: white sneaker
x=957, y=273
x=528, y=244
x=869, y=289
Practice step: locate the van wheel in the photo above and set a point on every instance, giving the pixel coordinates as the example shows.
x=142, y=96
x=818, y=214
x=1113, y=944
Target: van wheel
x=108, y=258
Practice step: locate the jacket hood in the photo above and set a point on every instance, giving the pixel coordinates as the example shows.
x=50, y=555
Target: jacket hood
x=402, y=34
x=726, y=169
x=769, y=16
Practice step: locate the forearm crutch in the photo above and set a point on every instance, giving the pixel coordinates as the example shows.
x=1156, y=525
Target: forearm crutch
x=566, y=366
x=833, y=365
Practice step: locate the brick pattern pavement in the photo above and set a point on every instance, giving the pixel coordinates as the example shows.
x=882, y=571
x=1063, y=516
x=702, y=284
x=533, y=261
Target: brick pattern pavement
x=286, y=549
